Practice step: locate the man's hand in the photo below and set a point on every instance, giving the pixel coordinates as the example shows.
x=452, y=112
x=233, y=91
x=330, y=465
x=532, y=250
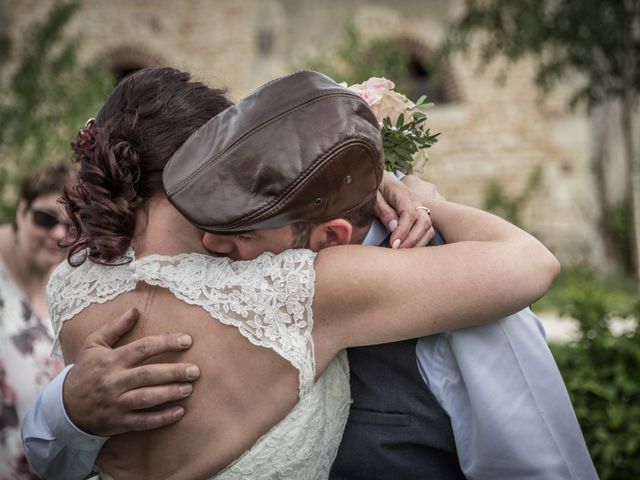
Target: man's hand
x=107, y=388
x=396, y=208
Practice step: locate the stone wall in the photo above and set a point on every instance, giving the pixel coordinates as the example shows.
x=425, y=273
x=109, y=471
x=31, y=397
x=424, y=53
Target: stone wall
x=495, y=131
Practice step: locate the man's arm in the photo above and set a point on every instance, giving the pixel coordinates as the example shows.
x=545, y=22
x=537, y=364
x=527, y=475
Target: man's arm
x=54, y=446
x=509, y=408
x=104, y=393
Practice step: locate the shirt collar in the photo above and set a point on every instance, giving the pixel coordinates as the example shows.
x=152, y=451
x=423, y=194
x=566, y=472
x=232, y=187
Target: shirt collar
x=376, y=234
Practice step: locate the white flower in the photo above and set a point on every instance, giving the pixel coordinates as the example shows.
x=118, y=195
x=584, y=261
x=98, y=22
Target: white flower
x=391, y=105
x=419, y=160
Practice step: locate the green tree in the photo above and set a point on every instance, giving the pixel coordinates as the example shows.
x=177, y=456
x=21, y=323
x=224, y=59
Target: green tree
x=45, y=97
x=598, y=39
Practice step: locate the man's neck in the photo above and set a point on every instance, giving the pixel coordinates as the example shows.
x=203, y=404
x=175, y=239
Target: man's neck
x=358, y=234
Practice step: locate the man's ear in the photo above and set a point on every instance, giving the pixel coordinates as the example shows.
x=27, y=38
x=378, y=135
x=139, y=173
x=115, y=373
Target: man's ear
x=331, y=233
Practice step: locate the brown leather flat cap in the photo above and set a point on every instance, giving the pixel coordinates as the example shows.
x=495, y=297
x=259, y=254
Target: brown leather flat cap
x=300, y=147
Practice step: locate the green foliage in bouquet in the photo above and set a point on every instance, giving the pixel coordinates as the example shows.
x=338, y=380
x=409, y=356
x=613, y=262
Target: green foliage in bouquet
x=601, y=374
x=407, y=138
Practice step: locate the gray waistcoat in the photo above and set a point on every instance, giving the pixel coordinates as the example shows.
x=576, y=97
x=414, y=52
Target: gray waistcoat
x=396, y=428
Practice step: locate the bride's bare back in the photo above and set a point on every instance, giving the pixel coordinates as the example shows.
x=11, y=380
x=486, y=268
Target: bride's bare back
x=242, y=392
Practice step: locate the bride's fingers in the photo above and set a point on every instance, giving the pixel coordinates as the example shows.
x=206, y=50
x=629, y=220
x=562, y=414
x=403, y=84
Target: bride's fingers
x=146, y=347
x=148, y=397
x=421, y=230
x=414, y=225
x=157, y=374
x=426, y=238
x=139, y=421
x=385, y=213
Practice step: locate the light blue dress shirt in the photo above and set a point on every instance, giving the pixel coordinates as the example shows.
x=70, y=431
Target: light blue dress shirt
x=55, y=447
x=510, y=411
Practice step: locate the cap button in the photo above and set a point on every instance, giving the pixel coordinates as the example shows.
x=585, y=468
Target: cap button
x=348, y=180
x=317, y=202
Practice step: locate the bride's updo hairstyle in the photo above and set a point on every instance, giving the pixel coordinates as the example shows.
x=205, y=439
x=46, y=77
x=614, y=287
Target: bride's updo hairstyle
x=121, y=153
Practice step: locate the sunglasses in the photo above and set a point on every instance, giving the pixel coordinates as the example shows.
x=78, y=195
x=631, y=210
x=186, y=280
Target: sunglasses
x=47, y=220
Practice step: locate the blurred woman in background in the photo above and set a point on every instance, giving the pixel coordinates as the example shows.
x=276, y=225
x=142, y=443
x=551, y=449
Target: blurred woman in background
x=28, y=252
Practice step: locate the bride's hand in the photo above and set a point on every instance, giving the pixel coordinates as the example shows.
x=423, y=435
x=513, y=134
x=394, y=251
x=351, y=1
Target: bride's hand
x=396, y=207
x=424, y=190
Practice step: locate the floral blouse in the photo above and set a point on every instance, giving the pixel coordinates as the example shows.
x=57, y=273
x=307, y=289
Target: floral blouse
x=25, y=368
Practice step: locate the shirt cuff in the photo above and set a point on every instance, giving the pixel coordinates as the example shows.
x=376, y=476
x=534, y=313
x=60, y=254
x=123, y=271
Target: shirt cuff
x=59, y=423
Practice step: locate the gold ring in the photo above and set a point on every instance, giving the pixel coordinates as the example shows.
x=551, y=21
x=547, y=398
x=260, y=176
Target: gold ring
x=425, y=209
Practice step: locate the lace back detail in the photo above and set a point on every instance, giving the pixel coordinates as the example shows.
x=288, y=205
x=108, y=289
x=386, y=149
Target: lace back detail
x=268, y=299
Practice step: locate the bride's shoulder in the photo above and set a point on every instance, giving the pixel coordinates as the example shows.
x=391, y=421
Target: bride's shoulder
x=79, y=268
x=266, y=262
x=76, y=266
x=269, y=264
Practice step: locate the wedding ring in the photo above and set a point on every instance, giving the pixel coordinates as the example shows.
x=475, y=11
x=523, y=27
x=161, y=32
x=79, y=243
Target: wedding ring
x=425, y=209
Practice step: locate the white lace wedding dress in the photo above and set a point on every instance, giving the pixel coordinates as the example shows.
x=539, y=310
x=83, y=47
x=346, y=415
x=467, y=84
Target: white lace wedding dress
x=269, y=301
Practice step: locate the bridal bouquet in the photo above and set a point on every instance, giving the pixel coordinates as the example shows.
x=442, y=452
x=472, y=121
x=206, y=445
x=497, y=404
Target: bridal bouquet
x=405, y=139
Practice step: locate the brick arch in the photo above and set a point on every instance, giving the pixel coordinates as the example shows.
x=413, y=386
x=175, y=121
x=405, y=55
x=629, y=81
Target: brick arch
x=441, y=87
x=124, y=60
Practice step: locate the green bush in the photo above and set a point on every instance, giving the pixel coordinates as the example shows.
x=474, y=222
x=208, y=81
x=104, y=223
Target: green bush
x=509, y=207
x=356, y=58
x=601, y=372
x=617, y=290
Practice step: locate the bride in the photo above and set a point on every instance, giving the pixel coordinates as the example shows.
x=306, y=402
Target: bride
x=269, y=334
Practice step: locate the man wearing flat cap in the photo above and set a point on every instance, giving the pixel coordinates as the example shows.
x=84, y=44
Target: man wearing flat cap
x=297, y=164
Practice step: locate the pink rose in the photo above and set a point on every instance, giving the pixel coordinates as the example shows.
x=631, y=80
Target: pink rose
x=373, y=90
x=379, y=85
x=370, y=96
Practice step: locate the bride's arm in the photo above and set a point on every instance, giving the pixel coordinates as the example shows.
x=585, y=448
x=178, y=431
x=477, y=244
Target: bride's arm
x=369, y=295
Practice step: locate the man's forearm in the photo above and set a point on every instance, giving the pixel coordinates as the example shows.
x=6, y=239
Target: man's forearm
x=54, y=446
